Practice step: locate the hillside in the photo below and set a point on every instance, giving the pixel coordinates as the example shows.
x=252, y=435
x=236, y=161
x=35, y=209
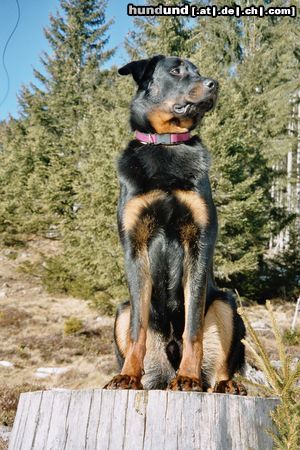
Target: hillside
x=32, y=328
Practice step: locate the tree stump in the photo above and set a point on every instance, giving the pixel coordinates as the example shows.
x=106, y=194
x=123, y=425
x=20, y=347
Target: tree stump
x=140, y=420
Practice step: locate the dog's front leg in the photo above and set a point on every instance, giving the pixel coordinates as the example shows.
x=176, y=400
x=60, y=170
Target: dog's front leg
x=197, y=236
x=196, y=263
x=137, y=224
x=195, y=281
x=140, y=287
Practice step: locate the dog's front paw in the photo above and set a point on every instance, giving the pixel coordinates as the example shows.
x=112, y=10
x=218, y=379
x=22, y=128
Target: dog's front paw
x=124, y=382
x=181, y=383
x=229, y=387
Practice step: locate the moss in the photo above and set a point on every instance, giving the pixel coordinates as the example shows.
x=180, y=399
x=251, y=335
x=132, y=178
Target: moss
x=11, y=240
x=73, y=325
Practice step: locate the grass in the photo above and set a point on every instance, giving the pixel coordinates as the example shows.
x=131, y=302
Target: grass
x=282, y=382
x=9, y=399
x=12, y=317
x=60, y=348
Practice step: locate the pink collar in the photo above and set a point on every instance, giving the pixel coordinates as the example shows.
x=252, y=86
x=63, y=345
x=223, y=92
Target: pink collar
x=168, y=138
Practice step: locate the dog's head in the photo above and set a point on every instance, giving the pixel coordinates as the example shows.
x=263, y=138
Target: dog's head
x=172, y=96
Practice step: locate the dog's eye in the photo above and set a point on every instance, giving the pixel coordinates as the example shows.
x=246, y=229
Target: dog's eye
x=175, y=71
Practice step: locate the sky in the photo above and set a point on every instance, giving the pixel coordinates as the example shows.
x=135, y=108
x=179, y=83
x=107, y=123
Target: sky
x=28, y=43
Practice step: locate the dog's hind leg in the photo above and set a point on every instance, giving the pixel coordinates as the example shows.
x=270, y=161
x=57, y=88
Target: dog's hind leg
x=158, y=369
x=140, y=286
x=121, y=332
x=222, y=348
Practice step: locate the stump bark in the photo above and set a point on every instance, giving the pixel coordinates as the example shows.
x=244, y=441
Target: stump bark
x=140, y=420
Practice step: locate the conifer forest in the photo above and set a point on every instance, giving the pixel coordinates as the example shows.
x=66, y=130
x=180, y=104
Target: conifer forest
x=58, y=158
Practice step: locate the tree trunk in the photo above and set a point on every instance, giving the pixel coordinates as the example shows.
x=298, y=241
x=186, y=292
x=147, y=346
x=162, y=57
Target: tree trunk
x=138, y=420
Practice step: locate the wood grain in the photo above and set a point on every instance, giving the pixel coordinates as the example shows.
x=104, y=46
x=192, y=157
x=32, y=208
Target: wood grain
x=140, y=420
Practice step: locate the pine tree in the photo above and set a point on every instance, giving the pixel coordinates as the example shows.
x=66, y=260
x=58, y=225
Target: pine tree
x=53, y=110
x=283, y=100
x=239, y=134
x=15, y=166
x=216, y=43
x=78, y=40
x=167, y=35
x=92, y=250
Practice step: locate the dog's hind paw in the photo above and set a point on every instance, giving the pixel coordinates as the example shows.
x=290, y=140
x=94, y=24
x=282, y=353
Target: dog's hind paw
x=229, y=387
x=181, y=383
x=124, y=382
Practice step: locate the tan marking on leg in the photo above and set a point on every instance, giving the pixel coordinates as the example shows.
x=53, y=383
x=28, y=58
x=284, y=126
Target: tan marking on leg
x=133, y=343
x=122, y=330
x=136, y=350
x=157, y=365
x=134, y=360
x=135, y=206
x=195, y=204
x=217, y=339
x=146, y=283
x=192, y=352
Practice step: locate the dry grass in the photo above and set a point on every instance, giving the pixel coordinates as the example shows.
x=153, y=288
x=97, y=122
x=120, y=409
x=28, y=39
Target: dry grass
x=3, y=445
x=12, y=317
x=9, y=398
x=283, y=312
x=32, y=326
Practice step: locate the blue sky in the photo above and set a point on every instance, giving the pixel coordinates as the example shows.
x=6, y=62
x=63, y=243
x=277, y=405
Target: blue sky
x=28, y=42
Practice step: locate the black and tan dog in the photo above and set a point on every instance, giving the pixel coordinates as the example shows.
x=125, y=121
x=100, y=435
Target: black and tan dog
x=178, y=330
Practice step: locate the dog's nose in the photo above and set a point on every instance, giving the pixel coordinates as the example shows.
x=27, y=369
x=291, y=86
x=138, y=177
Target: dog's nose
x=210, y=84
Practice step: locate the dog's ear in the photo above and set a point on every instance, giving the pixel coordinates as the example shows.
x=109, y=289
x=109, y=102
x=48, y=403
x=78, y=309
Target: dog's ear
x=135, y=68
x=140, y=68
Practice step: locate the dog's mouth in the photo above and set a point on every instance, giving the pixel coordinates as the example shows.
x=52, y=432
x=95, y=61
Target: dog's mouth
x=181, y=109
x=192, y=109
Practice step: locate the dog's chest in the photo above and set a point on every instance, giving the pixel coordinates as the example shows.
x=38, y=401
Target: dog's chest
x=178, y=212
x=164, y=190
x=148, y=167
